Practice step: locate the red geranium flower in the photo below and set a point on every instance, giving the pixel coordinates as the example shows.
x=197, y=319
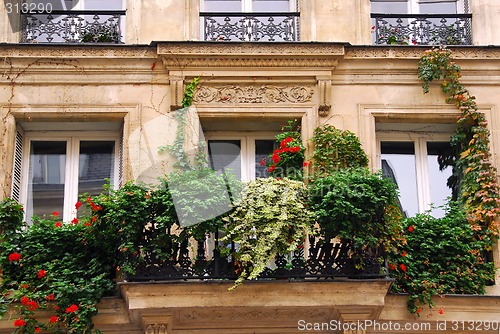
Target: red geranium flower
x=263, y=162
x=55, y=213
x=54, y=319
x=276, y=158
x=32, y=305
x=38, y=330
x=41, y=273
x=392, y=266
x=271, y=169
x=74, y=221
x=50, y=297
x=94, y=218
x=25, y=300
x=410, y=228
x=19, y=323
x=404, y=253
x=306, y=163
x=441, y=311
x=58, y=224
x=14, y=257
x=87, y=224
x=78, y=205
x=402, y=266
x=419, y=310
x=72, y=308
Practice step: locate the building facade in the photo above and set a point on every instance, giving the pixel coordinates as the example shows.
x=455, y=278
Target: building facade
x=87, y=92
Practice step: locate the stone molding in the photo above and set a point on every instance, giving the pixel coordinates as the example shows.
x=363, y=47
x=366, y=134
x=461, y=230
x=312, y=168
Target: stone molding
x=63, y=51
x=253, y=94
x=414, y=52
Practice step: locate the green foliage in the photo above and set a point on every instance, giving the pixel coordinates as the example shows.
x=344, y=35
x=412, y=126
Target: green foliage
x=11, y=217
x=335, y=149
x=441, y=256
x=287, y=160
x=357, y=206
x=57, y=266
x=272, y=217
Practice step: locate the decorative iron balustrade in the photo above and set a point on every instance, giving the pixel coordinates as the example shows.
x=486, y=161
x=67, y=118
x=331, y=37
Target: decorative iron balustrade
x=424, y=29
x=271, y=27
x=82, y=26
x=324, y=260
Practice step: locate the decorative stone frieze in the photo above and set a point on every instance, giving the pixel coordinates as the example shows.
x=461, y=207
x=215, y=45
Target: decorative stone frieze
x=253, y=94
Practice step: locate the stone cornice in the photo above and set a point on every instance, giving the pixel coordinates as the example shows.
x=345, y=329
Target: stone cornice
x=415, y=52
x=75, y=51
x=254, y=55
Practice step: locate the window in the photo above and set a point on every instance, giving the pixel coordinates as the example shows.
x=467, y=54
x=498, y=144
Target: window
x=264, y=6
x=249, y=20
x=418, y=6
x=240, y=154
x=58, y=167
x=411, y=160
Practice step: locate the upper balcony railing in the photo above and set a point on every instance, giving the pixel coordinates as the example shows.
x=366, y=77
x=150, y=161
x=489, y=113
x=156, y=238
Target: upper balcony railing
x=253, y=27
x=76, y=26
x=423, y=29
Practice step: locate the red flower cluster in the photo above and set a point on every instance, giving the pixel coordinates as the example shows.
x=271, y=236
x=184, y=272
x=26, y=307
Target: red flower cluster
x=402, y=266
x=72, y=308
x=411, y=228
x=93, y=206
x=53, y=319
x=50, y=297
x=276, y=156
x=38, y=330
x=19, y=323
x=58, y=224
x=74, y=221
x=41, y=273
x=32, y=305
x=14, y=257
x=78, y=205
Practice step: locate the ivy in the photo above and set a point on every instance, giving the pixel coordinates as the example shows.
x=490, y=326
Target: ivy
x=449, y=255
x=479, y=192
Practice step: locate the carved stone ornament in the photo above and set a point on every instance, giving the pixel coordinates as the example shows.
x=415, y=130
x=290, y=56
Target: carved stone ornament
x=156, y=329
x=253, y=94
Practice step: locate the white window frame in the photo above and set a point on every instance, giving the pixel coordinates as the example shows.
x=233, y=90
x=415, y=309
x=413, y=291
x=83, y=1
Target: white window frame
x=247, y=141
x=421, y=165
x=72, y=159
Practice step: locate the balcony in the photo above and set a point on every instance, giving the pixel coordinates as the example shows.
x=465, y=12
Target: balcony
x=82, y=26
x=425, y=29
x=253, y=27
x=202, y=261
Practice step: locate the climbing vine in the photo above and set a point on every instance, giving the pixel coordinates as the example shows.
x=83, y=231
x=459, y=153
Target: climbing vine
x=479, y=192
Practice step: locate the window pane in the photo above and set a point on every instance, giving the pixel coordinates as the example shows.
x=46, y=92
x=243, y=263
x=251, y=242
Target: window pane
x=438, y=179
x=271, y=6
x=389, y=7
x=262, y=150
x=46, y=178
x=96, y=163
x=438, y=8
x=225, y=156
x=398, y=163
x=223, y=6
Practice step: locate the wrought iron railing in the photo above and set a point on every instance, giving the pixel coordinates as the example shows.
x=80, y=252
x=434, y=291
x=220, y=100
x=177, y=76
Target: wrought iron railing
x=424, y=29
x=272, y=27
x=76, y=26
x=322, y=260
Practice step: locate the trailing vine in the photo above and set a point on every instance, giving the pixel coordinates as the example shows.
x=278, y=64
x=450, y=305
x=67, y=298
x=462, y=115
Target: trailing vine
x=449, y=255
x=479, y=192
x=176, y=149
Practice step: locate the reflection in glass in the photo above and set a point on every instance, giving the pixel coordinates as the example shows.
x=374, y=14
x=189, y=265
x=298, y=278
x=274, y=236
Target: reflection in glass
x=398, y=163
x=46, y=178
x=225, y=156
x=439, y=190
x=262, y=150
x=96, y=163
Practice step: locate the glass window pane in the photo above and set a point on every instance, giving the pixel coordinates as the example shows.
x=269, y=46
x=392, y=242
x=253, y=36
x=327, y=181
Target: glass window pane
x=271, y=6
x=262, y=149
x=389, y=7
x=438, y=178
x=223, y=6
x=225, y=156
x=438, y=8
x=96, y=163
x=46, y=178
x=103, y=5
x=398, y=163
